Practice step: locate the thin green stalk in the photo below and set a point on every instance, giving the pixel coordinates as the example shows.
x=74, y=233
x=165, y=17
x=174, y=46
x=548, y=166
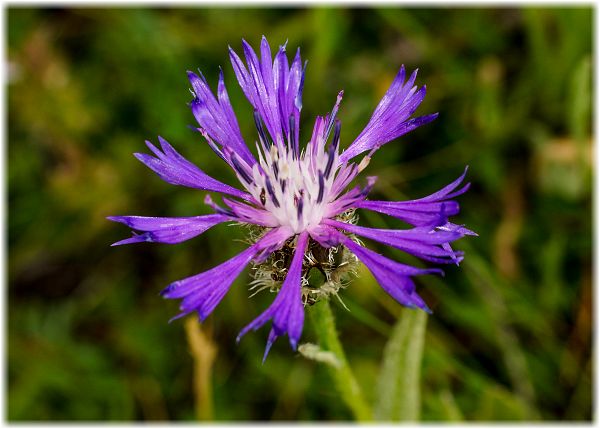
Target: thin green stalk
x=342, y=376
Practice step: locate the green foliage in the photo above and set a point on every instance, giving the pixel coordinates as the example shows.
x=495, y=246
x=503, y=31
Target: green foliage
x=399, y=383
x=88, y=338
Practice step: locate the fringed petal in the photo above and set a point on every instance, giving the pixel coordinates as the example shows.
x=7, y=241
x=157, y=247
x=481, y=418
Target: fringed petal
x=350, y=199
x=203, y=292
x=393, y=277
x=272, y=87
x=216, y=117
x=168, y=230
x=287, y=310
x=249, y=214
x=176, y=170
x=390, y=119
x=423, y=242
x=431, y=210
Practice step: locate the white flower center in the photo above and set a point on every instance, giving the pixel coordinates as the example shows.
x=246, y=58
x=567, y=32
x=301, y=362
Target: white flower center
x=295, y=190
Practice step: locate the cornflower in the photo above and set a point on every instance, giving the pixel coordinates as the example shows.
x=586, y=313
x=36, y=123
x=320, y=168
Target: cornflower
x=296, y=197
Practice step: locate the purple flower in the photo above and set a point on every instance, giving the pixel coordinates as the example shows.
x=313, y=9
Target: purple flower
x=296, y=196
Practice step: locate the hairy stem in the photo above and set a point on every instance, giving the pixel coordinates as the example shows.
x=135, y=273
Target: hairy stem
x=342, y=376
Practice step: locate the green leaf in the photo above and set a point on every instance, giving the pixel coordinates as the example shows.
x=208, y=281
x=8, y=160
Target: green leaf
x=398, y=388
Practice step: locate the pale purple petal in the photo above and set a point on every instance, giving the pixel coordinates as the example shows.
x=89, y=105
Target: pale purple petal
x=350, y=199
x=176, y=170
x=250, y=214
x=287, y=310
x=168, y=230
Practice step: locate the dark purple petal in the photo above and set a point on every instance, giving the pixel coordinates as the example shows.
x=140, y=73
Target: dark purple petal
x=455, y=228
x=390, y=119
x=176, y=170
x=168, y=230
x=287, y=310
x=263, y=86
x=203, y=292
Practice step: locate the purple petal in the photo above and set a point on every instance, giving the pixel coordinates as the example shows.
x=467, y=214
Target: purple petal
x=168, y=230
x=390, y=118
x=176, y=170
x=270, y=340
x=249, y=214
x=350, y=199
x=392, y=276
x=272, y=87
x=264, y=92
x=326, y=236
x=216, y=117
x=431, y=210
x=457, y=228
x=287, y=310
x=423, y=242
x=446, y=192
x=281, y=70
x=204, y=291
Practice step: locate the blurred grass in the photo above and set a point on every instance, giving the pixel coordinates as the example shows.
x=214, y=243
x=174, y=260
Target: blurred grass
x=510, y=337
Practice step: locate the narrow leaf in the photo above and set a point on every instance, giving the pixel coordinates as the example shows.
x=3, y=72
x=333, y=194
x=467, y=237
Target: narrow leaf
x=398, y=387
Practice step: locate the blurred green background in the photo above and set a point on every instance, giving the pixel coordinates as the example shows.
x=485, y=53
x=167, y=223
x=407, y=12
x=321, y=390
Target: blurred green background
x=88, y=339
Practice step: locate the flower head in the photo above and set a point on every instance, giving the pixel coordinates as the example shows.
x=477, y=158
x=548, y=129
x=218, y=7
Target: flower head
x=296, y=196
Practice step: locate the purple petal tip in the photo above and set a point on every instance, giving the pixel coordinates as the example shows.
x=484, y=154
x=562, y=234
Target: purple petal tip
x=164, y=293
x=294, y=343
x=426, y=309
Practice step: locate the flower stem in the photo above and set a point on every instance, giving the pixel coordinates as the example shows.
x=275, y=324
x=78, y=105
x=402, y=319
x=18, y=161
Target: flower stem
x=343, y=378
